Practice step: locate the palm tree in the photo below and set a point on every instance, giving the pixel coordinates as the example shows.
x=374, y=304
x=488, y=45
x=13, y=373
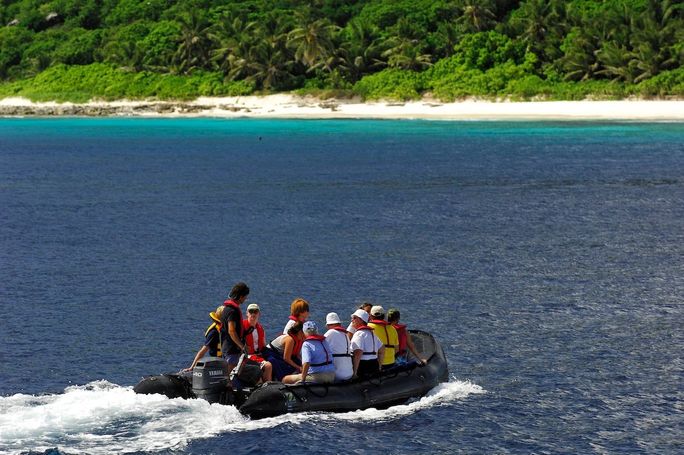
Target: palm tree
x=193, y=50
x=406, y=54
x=125, y=53
x=616, y=61
x=579, y=55
x=233, y=39
x=653, y=39
x=269, y=63
x=361, y=50
x=313, y=43
x=540, y=25
x=478, y=15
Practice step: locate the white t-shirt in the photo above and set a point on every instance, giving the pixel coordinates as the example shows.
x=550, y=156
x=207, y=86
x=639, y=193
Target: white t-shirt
x=289, y=324
x=367, y=341
x=341, y=348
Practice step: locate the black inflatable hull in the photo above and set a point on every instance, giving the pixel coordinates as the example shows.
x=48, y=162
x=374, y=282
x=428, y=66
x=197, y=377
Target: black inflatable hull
x=171, y=384
x=390, y=388
x=274, y=398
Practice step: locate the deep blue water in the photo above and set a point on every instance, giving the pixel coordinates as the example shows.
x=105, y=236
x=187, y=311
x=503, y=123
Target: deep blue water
x=546, y=257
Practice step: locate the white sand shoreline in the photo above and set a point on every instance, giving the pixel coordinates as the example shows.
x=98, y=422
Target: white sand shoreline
x=296, y=107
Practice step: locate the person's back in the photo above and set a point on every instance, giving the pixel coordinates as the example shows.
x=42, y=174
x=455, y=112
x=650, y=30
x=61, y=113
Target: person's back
x=212, y=338
x=283, y=352
x=386, y=333
x=318, y=354
x=212, y=335
x=368, y=350
x=405, y=342
x=278, y=344
x=341, y=348
x=401, y=348
x=317, y=359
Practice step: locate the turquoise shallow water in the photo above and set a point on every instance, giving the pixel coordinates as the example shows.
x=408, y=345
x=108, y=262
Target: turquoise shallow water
x=546, y=257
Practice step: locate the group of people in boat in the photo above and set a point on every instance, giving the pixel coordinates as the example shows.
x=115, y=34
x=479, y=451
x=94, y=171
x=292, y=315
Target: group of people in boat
x=373, y=341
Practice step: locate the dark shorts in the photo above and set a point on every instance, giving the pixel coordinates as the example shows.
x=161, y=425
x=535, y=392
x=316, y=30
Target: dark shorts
x=368, y=368
x=232, y=359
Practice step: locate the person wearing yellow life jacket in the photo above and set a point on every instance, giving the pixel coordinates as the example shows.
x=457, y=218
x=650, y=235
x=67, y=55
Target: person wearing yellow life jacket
x=405, y=341
x=212, y=338
x=387, y=334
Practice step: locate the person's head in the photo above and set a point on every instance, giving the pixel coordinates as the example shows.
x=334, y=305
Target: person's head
x=300, y=309
x=377, y=312
x=365, y=306
x=253, y=313
x=332, y=320
x=239, y=292
x=296, y=330
x=359, y=318
x=309, y=328
x=393, y=315
x=218, y=312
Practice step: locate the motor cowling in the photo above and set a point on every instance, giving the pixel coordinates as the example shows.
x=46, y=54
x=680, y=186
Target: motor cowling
x=210, y=380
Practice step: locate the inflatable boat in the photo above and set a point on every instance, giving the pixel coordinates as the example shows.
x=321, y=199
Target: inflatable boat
x=209, y=380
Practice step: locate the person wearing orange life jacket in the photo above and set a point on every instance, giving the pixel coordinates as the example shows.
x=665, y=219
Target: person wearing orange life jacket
x=299, y=312
x=284, y=351
x=212, y=339
x=387, y=334
x=405, y=341
x=317, y=359
x=368, y=350
x=255, y=341
x=341, y=347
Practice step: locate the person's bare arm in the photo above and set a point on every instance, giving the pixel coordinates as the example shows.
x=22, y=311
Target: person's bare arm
x=305, y=370
x=203, y=350
x=412, y=348
x=356, y=360
x=287, y=353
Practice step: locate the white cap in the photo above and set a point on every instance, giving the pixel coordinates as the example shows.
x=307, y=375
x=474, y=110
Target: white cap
x=252, y=307
x=377, y=310
x=310, y=327
x=332, y=318
x=361, y=314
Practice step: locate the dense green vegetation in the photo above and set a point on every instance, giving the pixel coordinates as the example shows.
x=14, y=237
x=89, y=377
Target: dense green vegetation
x=552, y=49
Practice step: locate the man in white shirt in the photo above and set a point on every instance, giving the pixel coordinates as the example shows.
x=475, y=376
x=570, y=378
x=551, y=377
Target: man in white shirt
x=368, y=350
x=341, y=347
x=365, y=306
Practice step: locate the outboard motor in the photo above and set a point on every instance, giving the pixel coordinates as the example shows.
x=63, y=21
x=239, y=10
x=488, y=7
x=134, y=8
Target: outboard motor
x=210, y=380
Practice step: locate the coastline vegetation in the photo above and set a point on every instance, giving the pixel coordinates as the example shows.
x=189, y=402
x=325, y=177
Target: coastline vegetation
x=77, y=50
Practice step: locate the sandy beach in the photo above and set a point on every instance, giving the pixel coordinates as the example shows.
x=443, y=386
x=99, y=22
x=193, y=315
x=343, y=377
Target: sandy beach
x=295, y=107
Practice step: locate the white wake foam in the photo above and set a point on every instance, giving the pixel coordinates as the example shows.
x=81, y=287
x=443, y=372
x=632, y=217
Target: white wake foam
x=101, y=417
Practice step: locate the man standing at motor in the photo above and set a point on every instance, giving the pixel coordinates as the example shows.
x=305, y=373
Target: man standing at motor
x=231, y=321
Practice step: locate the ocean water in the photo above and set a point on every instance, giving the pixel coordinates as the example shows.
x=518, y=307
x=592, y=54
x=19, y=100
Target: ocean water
x=547, y=258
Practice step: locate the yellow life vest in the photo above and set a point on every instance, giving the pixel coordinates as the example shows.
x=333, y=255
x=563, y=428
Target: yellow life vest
x=389, y=337
x=215, y=325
